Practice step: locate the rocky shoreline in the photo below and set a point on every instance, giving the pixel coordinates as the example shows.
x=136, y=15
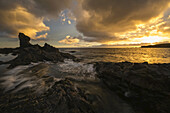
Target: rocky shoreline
x=28, y=53
x=140, y=87
x=123, y=87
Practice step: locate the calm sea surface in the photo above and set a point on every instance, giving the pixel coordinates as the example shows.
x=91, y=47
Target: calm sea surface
x=137, y=55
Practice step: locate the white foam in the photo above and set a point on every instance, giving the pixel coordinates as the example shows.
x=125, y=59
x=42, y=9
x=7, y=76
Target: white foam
x=17, y=70
x=22, y=77
x=6, y=57
x=69, y=67
x=13, y=78
x=19, y=78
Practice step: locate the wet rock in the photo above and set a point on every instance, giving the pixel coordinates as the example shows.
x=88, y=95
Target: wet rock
x=36, y=91
x=61, y=97
x=1, y=62
x=69, y=56
x=144, y=86
x=49, y=48
x=72, y=51
x=8, y=50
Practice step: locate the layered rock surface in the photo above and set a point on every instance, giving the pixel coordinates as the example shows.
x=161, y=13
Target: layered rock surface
x=146, y=87
x=28, y=53
x=141, y=88
x=36, y=90
x=62, y=97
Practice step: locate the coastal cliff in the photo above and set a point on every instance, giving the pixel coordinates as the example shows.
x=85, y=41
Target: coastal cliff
x=167, y=45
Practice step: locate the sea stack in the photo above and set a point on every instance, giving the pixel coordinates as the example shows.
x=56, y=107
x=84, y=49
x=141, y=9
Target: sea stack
x=24, y=40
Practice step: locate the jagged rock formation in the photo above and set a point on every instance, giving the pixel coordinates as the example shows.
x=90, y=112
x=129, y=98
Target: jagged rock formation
x=144, y=86
x=49, y=48
x=7, y=50
x=24, y=40
x=28, y=53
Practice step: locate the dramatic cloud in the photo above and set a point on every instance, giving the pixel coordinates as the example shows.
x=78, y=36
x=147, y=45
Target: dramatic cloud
x=70, y=40
x=28, y=15
x=40, y=8
x=165, y=23
x=103, y=21
x=50, y=8
x=19, y=20
x=152, y=31
x=115, y=16
x=44, y=36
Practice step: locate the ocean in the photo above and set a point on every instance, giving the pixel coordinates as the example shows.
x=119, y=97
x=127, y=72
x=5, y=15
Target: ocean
x=134, y=55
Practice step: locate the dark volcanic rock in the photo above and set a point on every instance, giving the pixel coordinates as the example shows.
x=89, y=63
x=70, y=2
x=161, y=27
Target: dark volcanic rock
x=144, y=86
x=28, y=53
x=72, y=51
x=1, y=62
x=8, y=50
x=62, y=97
x=24, y=40
x=38, y=91
x=49, y=48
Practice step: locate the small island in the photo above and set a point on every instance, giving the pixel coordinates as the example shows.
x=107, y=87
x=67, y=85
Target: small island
x=165, y=45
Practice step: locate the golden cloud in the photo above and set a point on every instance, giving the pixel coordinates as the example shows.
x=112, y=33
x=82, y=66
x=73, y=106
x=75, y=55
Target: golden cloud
x=28, y=15
x=113, y=17
x=69, y=40
x=98, y=20
x=20, y=20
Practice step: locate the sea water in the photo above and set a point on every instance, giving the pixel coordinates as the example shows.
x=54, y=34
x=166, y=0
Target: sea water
x=134, y=55
x=32, y=75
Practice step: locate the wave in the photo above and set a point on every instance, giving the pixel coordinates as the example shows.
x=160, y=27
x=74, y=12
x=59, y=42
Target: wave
x=39, y=77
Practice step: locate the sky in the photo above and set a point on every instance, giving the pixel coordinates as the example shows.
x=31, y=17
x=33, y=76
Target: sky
x=85, y=23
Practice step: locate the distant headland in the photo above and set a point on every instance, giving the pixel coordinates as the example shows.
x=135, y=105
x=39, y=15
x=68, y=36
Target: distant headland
x=165, y=45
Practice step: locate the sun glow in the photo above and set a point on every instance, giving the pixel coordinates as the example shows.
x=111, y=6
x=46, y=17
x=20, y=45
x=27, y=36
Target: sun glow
x=151, y=39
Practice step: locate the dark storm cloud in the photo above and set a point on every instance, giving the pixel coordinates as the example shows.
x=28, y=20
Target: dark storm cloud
x=94, y=36
x=115, y=16
x=49, y=8
x=37, y=7
x=97, y=20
